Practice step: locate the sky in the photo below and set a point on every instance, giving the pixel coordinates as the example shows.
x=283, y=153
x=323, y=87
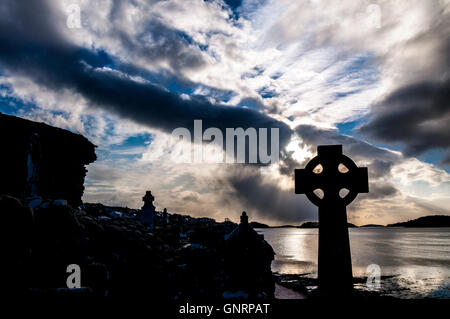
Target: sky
x=370, y=75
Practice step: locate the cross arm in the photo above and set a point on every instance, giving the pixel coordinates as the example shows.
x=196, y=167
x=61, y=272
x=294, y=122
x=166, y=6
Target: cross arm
x=307, y=181
x=355, y=180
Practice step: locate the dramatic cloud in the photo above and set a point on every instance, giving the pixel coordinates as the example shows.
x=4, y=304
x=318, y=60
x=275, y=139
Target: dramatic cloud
x=416, y=113
x=417, y=116
x=262, y=196
x=324, y=72
x=62, y=66
x=355, y=148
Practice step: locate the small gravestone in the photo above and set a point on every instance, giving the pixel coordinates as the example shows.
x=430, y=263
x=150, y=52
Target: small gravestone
x=247, y=261
x=165, y=218
x=332, y=173
x=148, y=210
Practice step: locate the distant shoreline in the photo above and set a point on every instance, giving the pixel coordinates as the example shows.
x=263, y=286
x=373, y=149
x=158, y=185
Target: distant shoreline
x=432, y=221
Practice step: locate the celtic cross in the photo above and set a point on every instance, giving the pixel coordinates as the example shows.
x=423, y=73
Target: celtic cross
x=333, y=173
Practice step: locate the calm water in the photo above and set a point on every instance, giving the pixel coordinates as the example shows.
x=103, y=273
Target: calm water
x=418, y=258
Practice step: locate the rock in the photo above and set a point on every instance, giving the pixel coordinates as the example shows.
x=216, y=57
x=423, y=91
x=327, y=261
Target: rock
x=17, y=221
x=103, y=218
x=59, y=220
x=60, y=202
x=43, y=160
x=16, y=237
x=35, y=203
x=58, y=241
x=120, y=256
x=115, y=215
x=97, y=278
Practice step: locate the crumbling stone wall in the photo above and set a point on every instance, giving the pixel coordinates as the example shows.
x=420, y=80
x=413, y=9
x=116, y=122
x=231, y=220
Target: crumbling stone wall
x=41, y=160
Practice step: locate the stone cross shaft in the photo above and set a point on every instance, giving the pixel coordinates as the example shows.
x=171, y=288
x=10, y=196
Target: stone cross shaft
x=333, y=173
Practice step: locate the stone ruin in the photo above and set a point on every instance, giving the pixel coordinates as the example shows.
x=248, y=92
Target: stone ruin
x=39, y=160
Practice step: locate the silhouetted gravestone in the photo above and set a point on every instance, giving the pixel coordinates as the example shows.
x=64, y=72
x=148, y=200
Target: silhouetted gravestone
x=165, y=217
x=335, y=264
x=247, y=260
x=148, y=210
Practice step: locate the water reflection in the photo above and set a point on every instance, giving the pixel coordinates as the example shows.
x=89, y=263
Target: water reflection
x=419, y=258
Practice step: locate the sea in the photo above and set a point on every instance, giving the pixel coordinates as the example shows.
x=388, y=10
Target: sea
x=411, y=262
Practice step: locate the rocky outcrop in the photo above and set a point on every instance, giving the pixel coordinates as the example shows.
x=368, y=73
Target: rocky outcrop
x=41, y=160
x=181, y=258
x=425, y=221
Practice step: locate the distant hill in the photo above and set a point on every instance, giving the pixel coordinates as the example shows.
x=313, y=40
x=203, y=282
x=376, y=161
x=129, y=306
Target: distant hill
x=426, y=221
x=258, y=225
x=284, y=226
x=316, y=225
x=372, y=225
x=309, y=225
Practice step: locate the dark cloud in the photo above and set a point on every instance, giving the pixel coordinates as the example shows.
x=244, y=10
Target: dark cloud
x=288, y=164
x=266, y=199
x=157, y=42
x=191, y=198
x=446, y=160
x=379, y=190
x=161, y=43
x=380, y=168
x=417, y=116
x=253, y=103
x=36, y=19
x=353, y=147
x=60, y=65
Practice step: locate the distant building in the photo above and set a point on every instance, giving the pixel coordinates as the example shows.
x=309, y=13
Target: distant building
x=41, y=160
